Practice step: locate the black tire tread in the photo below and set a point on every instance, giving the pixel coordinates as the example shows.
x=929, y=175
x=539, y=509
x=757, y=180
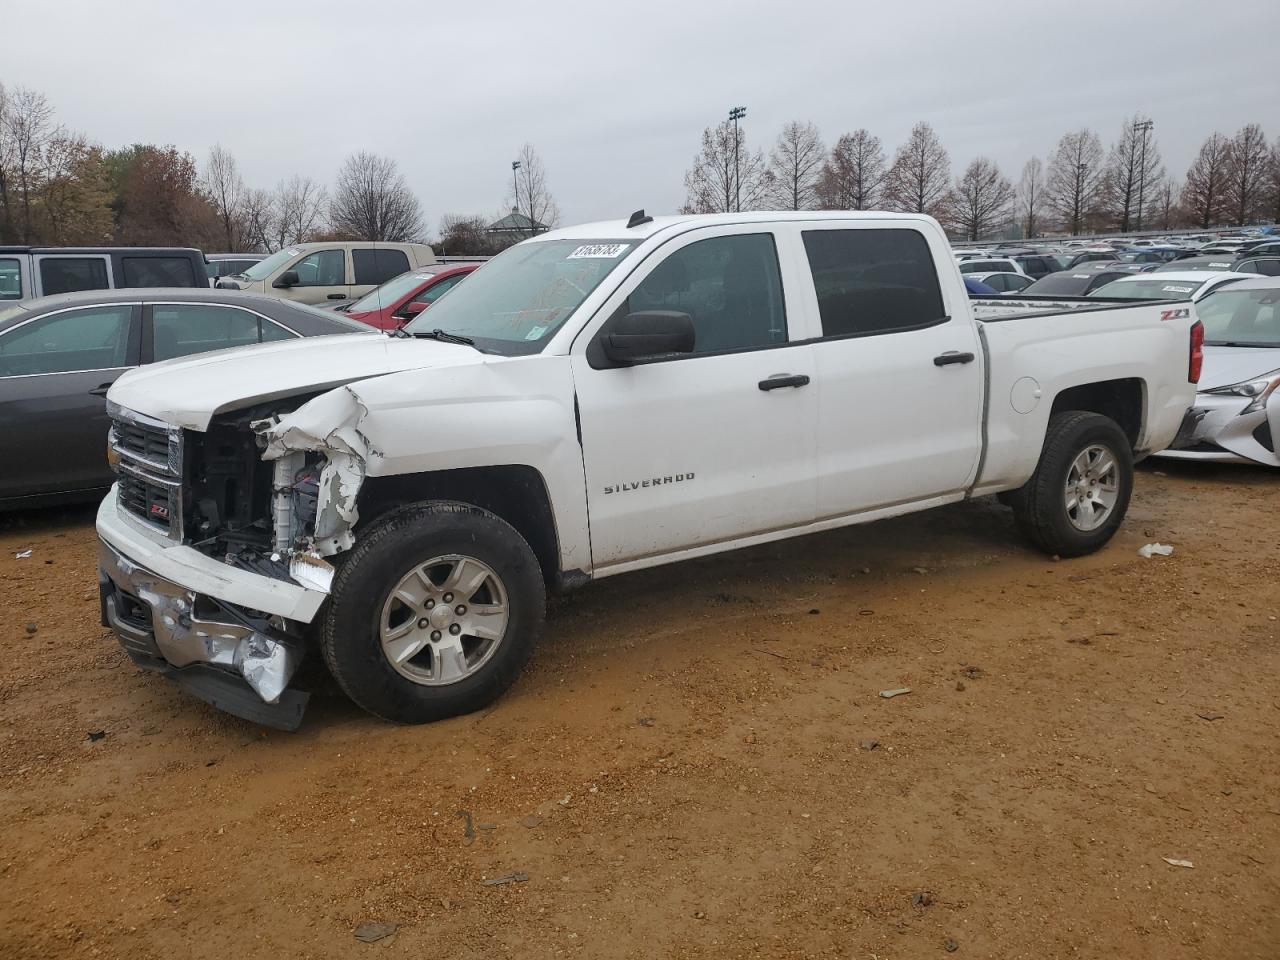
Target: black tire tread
x=383, y=534
x=1036, y=503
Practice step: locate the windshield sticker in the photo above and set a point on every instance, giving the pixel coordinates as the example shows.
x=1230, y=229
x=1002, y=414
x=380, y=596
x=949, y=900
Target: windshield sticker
x=422, y=276
x=1172, y=288
x=1214, y=264
x=535, y=333
x=293, y=252
x=1080, y=276
x=597, y=251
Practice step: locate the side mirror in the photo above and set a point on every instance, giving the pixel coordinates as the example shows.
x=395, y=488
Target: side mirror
x=286, y=280
x=410, y=310
x=646, y=336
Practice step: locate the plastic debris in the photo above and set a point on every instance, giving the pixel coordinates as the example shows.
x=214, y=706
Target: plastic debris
x=22, y=554
x=506, y=878
x=890, y=694
x=31, y=628
x=924, y=898
x=373, y=932
x=1208, y=715
x=96, y=735
x=869, y=744
x=1150, y=550
x=1178, y=863
x=951, y=946
x=468, y=833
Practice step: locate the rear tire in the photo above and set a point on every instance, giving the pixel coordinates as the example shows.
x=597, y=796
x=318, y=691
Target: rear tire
x=1078, y=496
x=434, y=613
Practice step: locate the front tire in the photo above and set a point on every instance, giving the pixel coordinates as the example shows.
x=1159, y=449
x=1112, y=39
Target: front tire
x=434, y=613
x=1078, y=496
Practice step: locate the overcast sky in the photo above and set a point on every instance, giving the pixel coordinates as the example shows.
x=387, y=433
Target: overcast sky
x=615, y=95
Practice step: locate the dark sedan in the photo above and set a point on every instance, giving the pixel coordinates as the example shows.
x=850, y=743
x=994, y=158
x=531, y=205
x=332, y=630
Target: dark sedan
x=1078, y=281
x=58, y=356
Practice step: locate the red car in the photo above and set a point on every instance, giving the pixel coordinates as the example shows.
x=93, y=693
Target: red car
x=402, y=298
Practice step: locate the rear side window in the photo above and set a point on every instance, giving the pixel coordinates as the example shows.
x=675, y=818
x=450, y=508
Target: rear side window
x=157, y=272
x=181, y=329
x=873, y=281
x=437, y=290
x=730, y=287
x=10, y=279
x=69, y=274
x=378, y=266
x=91, y=338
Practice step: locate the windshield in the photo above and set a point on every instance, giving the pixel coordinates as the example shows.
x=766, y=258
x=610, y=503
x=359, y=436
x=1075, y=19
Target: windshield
x=516, y=302
x=265, y=268
x=1250, y=317
x=1154, y=289
x=392, y=290
x=1061, y=285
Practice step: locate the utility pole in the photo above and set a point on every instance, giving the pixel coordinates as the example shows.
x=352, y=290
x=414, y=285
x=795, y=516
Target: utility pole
x=736, y=114
x=1143, y=126
x=515, y=192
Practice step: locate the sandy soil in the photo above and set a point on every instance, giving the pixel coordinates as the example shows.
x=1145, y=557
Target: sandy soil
x=684, y=769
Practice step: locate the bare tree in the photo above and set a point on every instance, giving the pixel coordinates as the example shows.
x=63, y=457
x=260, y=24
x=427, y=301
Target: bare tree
x=1205, y=194
x=299, y=206
x=981, y=199
x=711, y=184
x=796, y=164
x=226, y=191
x=530, y=194
x=372, y=201
x=853, y=176
x=921, y=173
x=1132, y=173
x=1247, y=174
x=74, y=201
x=28, y=126
x=1030, y=195
x=1073, y=188
x=1273, y=181
x=1164, y=211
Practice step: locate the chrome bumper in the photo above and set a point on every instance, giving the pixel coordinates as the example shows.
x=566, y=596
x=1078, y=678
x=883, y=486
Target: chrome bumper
x=164, y=626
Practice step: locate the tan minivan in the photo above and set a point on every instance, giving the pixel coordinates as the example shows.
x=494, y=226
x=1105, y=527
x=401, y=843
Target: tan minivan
x=319, y=272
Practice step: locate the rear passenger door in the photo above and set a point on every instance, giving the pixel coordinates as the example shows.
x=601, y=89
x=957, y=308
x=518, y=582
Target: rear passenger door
x=374, y=267
x=899, y=380
x=172, y=330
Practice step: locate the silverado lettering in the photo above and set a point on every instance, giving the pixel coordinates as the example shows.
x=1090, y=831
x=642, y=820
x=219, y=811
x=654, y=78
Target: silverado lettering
x=653, y=482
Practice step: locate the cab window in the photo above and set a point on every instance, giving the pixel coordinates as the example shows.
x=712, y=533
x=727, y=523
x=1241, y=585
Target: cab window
x=324, y=268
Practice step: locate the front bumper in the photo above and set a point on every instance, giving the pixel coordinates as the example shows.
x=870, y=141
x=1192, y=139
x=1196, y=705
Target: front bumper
x=236, y=656
x=1216, y=430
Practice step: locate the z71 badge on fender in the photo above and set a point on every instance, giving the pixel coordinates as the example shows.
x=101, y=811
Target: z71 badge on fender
x=651, y=482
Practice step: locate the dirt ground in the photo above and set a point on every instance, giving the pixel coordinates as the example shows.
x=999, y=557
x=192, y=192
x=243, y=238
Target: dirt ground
x=684, y=769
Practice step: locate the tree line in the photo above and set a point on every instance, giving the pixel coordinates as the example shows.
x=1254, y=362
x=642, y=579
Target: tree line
x=1233, y=180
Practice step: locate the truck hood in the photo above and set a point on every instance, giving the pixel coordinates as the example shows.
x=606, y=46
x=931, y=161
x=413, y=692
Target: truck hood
x=1224, y=366
x=190, y=391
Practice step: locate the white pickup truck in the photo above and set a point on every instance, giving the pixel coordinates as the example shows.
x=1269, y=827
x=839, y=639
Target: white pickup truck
x=594, y=401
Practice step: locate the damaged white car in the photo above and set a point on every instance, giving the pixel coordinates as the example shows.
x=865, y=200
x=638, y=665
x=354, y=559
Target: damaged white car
x=1236, y=417
x=593, y=401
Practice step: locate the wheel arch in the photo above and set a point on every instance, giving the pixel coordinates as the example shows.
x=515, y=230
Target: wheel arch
x=517, y=493
x=1123, y=400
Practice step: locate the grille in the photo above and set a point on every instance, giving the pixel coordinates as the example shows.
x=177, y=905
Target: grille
x=148, y=498
x=145, y=442
x=148, y=462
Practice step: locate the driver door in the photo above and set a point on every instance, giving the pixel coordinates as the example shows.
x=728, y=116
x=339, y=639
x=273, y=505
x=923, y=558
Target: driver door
x=692, y=450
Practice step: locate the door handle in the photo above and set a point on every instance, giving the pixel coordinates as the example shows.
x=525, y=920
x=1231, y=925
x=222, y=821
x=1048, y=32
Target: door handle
x=337, y=296
x=101, y=391
x=952, y=356
x=780, y=380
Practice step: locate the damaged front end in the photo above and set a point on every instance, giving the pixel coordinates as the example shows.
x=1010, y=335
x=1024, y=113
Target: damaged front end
x=270, y=491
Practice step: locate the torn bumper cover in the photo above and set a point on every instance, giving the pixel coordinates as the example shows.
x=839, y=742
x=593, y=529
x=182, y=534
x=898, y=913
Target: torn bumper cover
x=238, y=658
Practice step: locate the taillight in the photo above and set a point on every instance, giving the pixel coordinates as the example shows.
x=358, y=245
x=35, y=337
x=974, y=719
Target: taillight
x=1196, y=360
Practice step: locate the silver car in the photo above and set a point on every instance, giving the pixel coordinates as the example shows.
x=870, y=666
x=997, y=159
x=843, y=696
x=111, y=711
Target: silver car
x=1236, y=417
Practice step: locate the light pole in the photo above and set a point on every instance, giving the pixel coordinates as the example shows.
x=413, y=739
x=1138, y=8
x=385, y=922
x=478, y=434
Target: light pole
x=1145, y=127
x=515, y=193
x=736, y=114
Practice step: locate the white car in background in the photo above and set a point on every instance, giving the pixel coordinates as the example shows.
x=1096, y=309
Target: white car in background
x=991, y=265
x=1192, y=285
x=1236, y=417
